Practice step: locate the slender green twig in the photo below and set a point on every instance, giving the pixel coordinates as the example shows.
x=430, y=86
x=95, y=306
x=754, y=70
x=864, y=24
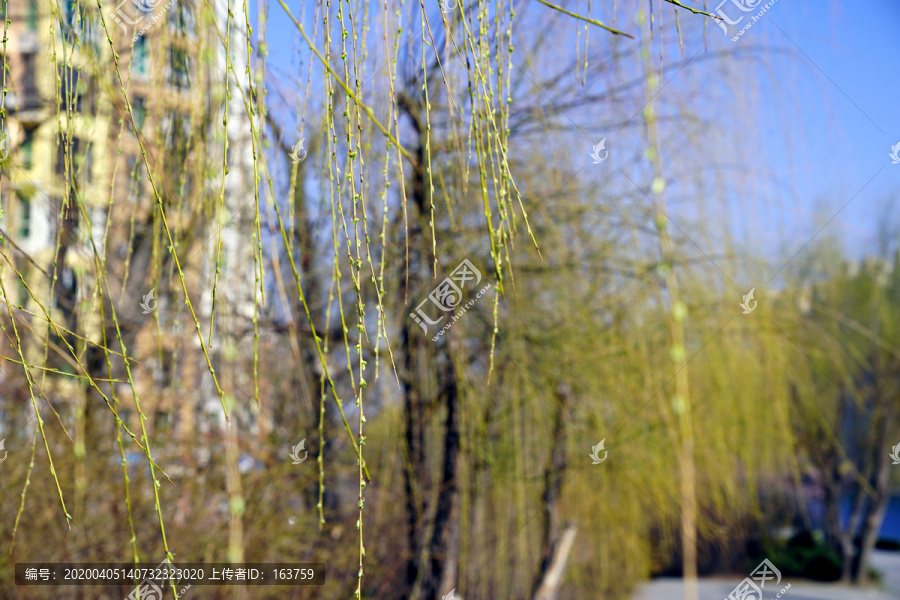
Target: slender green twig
x=591, y=21
x=693, y=10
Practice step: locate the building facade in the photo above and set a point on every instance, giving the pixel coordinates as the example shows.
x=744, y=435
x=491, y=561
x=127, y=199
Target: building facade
x=77, y=192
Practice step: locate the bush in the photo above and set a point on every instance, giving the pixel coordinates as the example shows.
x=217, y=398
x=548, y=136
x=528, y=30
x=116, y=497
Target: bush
x=805, y=555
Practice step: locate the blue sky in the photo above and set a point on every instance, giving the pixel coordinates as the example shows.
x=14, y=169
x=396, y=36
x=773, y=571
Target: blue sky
x=843, y=75
x=808, y=145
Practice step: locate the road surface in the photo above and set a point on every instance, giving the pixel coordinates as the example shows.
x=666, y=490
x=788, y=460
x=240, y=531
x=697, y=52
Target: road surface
x=718, y=588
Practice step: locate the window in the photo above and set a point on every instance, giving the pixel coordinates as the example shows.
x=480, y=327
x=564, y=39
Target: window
x=24, y=217
x=135, y=176
x=90, y=34
x=179, y=68
x=98, y=218
x=139, y=111
x=28, y=148
x=80, y=26
x=181, y=19
x=139, y=58
x=68, y=277
x=80, y=160
x=61, y=153
x=23, y=294
x=72, y=13
x=65, y=291
x=73, y=88
x=32, y=15
x=85, y=165
x=176, y=126
x=65, y=226
x=29, y=87
x=70, y=216
x=92, y=92
x=73, y=19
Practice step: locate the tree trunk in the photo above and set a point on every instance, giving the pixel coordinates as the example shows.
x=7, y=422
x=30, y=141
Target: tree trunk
x=553, y=554
x=441, y=567
x=877, y=506
x=549, y=586
x=413, y=455
x=840, y=540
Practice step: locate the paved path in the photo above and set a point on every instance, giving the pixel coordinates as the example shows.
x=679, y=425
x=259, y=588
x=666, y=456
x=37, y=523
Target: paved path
x=719, y=588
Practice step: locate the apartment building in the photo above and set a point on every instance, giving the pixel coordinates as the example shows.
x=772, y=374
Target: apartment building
x=75, y=180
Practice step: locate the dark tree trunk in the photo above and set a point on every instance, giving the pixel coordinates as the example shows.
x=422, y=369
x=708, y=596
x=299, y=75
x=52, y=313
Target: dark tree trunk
x=432, y=562
x=553, y=481
x=413, y=458
x=441, y=568
x=877, y=506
